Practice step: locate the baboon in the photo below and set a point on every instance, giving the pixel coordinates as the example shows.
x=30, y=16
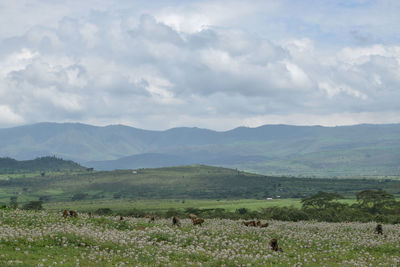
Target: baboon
x=176, y=221
x=192, y=216
x=379, y=229
x=258, y=223
x=264, y=225
x=90, y=215
x=73, y=213
x=198, y=221
x=274, y=245
x=121, y=218
x=249, y=223
x=152, y=218
x=65, y=214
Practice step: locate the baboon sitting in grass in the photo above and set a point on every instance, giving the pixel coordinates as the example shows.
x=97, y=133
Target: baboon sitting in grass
x=198, y=221
x=121, y=218
x=274, y=245
x=65, y=214
x=192, y=216
x=379, y=229
x=249, y=223
x=73, y=214
x=151, y=217
x=176, y=221
x=264, y=225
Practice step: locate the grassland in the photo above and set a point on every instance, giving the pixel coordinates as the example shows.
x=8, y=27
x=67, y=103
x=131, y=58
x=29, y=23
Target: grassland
x=176, y=184
x=30, y=238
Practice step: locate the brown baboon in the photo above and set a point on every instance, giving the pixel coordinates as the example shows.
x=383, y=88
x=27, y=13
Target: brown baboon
x=198, y=221
x=176, y=221
x=258, y=223
x=73, y=213
x=264, y=225
x=379, y=229
x=121, y=218
x=274, y=245
x=192, y=216
x=65, y=214
x=90, y=215
x=249, y=223
x=152, y=218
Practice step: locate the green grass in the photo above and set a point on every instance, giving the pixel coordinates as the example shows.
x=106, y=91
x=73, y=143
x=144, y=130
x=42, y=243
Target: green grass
x=46, y=239
x=163, y=205
x=152, y=205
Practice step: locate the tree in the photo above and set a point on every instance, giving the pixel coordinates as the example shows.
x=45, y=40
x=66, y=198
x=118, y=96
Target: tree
x=242, y=211
x=375, y=200
x=321, y=200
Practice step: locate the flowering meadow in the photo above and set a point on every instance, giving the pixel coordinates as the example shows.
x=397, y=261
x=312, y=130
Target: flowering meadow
x=40, y=238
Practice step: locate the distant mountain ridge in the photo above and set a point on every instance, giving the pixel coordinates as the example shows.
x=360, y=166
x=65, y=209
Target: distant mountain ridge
x=364, y=149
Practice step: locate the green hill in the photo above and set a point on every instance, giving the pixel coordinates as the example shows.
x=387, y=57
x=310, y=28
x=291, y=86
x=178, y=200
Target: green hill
x=43, y=164
x=186, y=182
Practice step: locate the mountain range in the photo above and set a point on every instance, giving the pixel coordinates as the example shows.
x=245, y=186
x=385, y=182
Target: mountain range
x=366, y=149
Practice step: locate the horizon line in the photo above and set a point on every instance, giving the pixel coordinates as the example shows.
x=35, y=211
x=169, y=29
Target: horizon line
x=196, y=127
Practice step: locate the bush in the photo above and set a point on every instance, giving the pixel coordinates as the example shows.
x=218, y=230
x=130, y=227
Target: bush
x=104, y=211
x=33, y=205
x=242, y=210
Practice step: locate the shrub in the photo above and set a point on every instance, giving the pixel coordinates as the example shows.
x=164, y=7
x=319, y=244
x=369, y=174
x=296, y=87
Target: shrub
x=33, y=205
x=104, y=211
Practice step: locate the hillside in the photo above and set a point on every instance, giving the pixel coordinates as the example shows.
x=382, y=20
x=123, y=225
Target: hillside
x=43, y=164
x=271, y=149
x=185, y=182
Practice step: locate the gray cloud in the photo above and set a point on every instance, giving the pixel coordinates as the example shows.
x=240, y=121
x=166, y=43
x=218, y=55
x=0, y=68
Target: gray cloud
x=147, y=68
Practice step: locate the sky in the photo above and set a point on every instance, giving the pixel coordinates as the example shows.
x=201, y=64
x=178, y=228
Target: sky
x=209, y=64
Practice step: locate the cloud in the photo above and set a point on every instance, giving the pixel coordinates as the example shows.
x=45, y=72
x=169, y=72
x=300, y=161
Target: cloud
x=207, y=64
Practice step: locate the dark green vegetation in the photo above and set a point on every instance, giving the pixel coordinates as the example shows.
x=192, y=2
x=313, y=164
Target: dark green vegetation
x=369, y=205
x=43, y=165
x=360, y=150
x=186, y=182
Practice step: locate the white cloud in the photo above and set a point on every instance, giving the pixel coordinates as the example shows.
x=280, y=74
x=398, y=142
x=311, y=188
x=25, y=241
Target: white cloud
x=200, y=63
x=16, y=61
x=8, y=117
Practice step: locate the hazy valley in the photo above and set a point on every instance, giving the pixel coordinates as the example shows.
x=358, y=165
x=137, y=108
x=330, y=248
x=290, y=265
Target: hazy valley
x=360, y=150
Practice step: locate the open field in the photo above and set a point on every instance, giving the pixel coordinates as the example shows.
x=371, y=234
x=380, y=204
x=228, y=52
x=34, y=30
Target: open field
x=153, y=205
x=46, y=239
